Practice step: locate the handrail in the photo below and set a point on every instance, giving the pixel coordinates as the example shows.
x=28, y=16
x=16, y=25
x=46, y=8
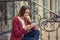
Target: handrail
x=45, y=8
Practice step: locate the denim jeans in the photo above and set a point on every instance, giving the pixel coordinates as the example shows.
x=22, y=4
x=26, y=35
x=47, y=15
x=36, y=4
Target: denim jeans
x=32, y=35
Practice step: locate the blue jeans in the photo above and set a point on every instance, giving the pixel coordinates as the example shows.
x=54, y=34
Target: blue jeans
x=32, y=35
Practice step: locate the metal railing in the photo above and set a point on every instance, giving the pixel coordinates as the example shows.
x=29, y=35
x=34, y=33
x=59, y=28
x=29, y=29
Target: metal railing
x=48, y=25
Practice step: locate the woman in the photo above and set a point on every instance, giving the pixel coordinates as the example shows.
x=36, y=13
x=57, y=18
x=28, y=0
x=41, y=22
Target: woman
x=22, y=28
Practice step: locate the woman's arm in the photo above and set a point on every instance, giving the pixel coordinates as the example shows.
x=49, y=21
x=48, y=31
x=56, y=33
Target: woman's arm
x=16, y=30
x=29, y=23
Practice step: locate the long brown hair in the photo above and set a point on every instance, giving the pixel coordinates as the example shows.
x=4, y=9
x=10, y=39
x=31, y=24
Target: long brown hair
x=22, y=10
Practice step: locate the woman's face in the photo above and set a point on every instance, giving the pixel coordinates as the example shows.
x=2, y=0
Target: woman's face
x=27, y=13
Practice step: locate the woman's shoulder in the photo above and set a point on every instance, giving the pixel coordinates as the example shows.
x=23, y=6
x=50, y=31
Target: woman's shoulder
x=15, y=18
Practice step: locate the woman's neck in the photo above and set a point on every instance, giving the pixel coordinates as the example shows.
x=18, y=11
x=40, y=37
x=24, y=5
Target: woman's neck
x=22, y=18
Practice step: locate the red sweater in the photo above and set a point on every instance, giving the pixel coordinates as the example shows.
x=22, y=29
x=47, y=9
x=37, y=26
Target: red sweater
x=17, y=29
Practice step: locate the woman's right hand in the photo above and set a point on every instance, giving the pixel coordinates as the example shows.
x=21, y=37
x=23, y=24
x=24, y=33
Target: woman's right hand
x=28, y=18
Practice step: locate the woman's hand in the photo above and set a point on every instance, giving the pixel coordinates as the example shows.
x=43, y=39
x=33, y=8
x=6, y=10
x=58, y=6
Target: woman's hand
x=28, y=18
x=28, y=27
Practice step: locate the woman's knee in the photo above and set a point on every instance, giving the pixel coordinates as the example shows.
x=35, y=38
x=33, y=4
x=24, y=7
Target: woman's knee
x=37, y=31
